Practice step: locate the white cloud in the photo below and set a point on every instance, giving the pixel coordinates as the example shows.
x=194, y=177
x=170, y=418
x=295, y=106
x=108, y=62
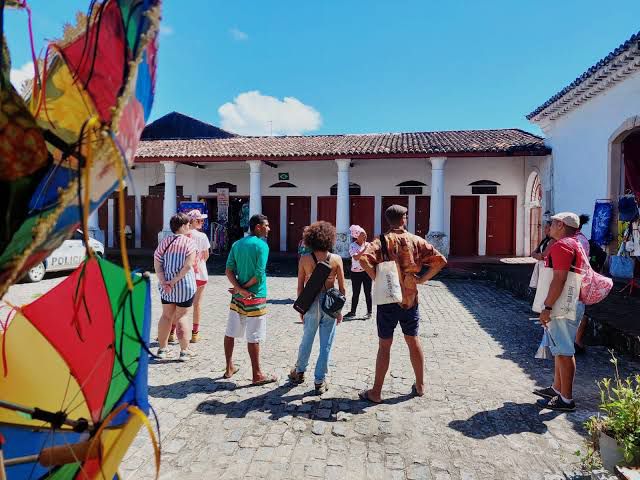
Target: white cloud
x=238, y=34
x=19, y=75
x=166, y=30
x=252, y=113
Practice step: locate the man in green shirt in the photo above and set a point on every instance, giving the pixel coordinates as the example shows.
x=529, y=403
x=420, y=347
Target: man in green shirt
x=246, y=270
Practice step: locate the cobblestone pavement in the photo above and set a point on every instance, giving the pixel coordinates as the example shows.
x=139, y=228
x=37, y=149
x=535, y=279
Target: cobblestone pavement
x=476, y=421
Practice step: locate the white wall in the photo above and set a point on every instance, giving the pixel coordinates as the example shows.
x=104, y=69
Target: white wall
x=580, y=144
x=376, y=177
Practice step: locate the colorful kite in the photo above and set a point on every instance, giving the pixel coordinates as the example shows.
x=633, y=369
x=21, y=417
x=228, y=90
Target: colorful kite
x=68, y=143
x=73, y=378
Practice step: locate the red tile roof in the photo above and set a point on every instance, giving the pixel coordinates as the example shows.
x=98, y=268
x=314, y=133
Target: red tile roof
x=507, y=142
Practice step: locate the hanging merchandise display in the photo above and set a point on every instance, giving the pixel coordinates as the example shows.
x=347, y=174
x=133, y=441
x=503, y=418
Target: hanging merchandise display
x=244, y=217
x=627, y=208
x=601, y=222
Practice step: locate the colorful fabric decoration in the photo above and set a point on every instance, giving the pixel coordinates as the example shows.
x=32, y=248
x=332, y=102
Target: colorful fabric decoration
x=79, y=355
x=601, y=222
x=67, y=145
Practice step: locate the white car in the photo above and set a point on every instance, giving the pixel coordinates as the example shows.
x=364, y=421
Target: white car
x=66, y=257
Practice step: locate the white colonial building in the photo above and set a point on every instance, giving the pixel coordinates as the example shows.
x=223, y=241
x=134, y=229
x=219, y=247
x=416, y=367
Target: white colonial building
x=593, y=129
x=470, y=192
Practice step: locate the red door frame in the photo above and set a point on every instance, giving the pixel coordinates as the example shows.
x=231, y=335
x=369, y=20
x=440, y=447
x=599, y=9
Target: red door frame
x=394, y=199
x=292, y=242
x=327, y=208
x=423, y=232
x=477, y=222
x=273, y=214
x=514, y=219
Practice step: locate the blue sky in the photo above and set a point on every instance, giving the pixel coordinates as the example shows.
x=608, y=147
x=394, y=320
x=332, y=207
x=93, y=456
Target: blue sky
x=359, y=66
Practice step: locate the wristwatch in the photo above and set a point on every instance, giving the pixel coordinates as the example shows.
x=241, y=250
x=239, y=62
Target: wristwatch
x=547, y=307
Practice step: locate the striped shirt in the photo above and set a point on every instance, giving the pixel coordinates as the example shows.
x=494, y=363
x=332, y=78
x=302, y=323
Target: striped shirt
x=172, y=253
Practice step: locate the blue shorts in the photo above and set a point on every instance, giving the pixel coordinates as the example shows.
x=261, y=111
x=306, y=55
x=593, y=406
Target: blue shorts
x=390, y=315
x=563, y=333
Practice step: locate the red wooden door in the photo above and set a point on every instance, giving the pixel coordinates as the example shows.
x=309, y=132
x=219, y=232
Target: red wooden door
x=423, y=210
x=464, y=225
x=151, y=221
x=327, y=209
x=271, y=208
x=387, y=202
x=298, y=217
x=501, y=225
x=362, y=213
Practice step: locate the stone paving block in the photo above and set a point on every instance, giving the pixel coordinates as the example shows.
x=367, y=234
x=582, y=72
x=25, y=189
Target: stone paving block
x=339, y=430
x=319, y=428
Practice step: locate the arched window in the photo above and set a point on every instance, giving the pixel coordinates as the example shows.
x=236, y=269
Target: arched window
x=484, y=187
x=354, y=189
x=411, y=187
x=283, y=185
x=230, y=186
x=158, y=190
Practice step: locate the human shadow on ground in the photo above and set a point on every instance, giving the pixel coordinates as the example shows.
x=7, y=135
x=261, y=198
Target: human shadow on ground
x=182, y=389
x=507, y=320
x=509, y=419
x=278, y=404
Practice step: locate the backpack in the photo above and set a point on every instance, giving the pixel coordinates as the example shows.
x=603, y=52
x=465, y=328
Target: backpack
x=313, y=286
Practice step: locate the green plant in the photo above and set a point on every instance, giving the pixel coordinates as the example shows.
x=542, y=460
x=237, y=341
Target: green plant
x=590, y=460
x=620, y=404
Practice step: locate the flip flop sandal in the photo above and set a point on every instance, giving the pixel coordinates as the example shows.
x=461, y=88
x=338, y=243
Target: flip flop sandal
x=414, y=391
x=364, y=395
x=270, y=379
x=235, y=370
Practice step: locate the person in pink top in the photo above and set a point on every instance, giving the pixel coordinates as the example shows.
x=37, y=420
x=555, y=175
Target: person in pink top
x=200, y=267
x=359, y=277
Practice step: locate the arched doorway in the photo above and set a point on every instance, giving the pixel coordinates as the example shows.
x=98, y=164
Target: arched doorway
x=624, y=159
x=533, y=234
x=631, y=163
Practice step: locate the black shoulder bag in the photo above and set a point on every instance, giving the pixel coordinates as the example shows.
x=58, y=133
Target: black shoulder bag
x=334, y=300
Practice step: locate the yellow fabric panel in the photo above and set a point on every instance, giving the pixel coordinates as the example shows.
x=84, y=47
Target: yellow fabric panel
x=37, y=376
x=115, y=443
x=66, y=103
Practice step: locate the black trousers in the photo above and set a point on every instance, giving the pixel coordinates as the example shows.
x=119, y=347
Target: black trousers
x=358, y=280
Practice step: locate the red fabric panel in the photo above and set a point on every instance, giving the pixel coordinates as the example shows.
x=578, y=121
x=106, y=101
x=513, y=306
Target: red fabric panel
x=632, y=163
x=85, y=342
x=108, y=69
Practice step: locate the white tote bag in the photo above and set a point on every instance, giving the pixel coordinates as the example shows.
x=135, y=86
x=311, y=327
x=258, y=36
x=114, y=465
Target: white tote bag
x=386, y=287
x=533, y=283
x=565, y=306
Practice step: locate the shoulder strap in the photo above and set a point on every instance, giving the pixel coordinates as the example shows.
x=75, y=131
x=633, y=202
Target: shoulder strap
x=167, y=247
x=383, y=247
x=313, y=255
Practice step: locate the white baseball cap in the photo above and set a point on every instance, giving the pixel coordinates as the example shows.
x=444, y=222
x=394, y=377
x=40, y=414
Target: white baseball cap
x=568, y=218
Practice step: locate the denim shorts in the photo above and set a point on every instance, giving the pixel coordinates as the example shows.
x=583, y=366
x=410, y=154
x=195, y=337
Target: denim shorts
x=563, y=333
x=388, y=317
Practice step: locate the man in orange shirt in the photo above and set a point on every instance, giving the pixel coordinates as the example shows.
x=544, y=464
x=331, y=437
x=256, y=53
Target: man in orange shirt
x=411, y=253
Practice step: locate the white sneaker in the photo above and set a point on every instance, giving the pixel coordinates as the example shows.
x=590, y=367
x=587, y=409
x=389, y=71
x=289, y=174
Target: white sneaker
x=163, y=354
x=186, y=355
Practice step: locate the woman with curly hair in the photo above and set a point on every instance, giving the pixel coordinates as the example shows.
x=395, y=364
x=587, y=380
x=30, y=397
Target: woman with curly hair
x=320, y=238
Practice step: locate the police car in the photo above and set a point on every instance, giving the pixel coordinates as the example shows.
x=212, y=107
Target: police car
x=66, y=257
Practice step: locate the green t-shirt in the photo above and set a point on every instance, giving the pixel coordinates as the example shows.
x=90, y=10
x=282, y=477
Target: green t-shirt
x=248, y=259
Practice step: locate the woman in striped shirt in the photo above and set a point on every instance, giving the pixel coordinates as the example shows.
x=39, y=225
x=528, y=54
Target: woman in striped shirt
x=173, y=261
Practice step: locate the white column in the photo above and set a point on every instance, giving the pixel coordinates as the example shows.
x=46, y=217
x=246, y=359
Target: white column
x=138, y=225
x=342, y=208
x=437, y=236
x=110, y=223
x=411, y=224
x=94, y=227
x=255, y=187
x=169, y=207
x=377, y=215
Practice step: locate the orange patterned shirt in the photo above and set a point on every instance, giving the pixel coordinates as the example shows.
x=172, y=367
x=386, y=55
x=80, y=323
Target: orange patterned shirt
x=411, y=252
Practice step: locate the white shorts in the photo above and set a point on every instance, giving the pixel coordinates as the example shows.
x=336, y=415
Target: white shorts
x=254, y=329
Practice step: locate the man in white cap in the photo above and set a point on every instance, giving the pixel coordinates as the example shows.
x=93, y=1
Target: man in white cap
x=564, y=256
x=200, y=267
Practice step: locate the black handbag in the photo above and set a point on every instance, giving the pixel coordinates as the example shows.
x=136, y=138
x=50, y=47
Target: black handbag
x=334, y=300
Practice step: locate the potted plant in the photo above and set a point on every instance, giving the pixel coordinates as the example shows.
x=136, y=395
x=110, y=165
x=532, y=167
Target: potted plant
x=616, y=431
